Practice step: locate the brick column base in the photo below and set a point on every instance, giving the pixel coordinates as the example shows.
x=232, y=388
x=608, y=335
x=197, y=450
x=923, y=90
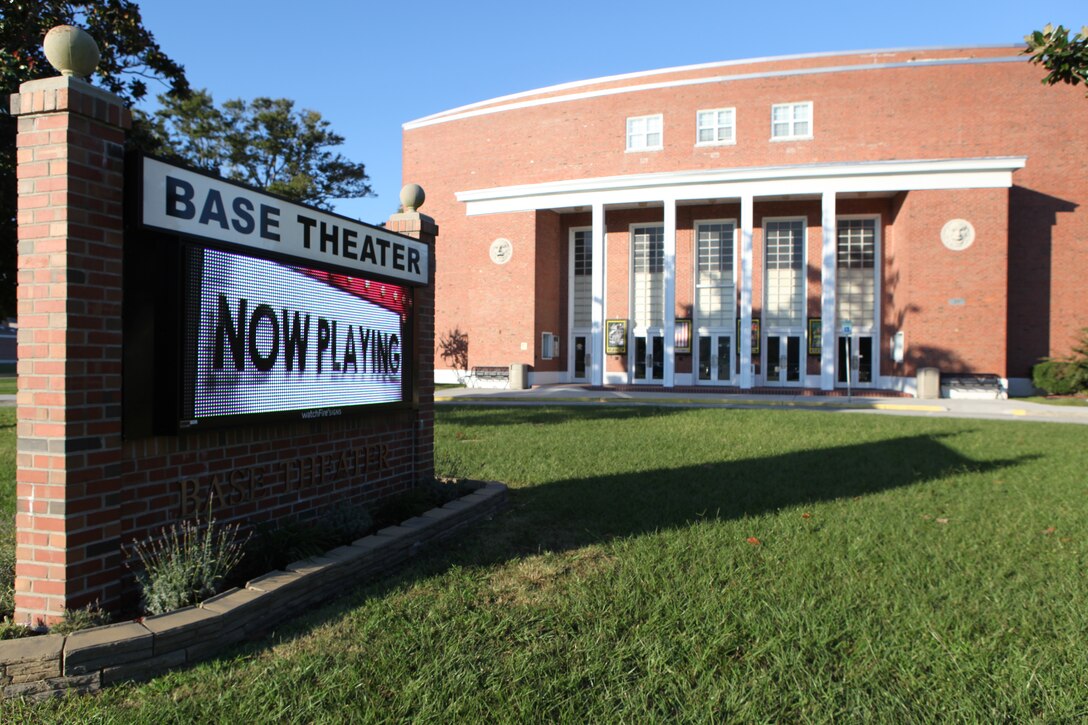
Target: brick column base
x=70, y=160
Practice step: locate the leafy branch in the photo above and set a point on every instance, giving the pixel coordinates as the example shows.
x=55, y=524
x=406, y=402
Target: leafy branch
x=1067, y=60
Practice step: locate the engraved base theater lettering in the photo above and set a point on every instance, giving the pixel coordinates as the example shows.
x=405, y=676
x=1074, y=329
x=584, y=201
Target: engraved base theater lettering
x=244, y=485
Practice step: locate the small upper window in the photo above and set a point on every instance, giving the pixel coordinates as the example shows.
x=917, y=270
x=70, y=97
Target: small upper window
x=791, y=121
x=716, y=126
x=644, y=133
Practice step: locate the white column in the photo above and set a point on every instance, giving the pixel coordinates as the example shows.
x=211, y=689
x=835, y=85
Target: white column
x=670, y=292
x=827, y=295
x=596, y=350
x=746, y=221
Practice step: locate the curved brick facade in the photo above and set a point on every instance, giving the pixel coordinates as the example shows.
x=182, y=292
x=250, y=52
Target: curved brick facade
x=908, y=140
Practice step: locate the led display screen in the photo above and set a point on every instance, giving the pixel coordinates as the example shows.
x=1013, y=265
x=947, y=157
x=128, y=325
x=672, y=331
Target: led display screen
x=261, y=336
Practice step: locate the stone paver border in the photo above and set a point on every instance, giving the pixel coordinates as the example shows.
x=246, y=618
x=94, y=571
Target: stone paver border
x=86, y=661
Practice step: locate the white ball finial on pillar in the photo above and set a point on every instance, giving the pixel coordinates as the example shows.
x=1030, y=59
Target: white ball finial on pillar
x=71, y=51
x=412, y=197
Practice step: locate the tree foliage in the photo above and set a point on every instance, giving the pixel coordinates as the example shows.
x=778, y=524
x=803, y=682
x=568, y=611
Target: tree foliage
x=130, y=55
x=1065, y=59
x=130, y=58
x=265, y=142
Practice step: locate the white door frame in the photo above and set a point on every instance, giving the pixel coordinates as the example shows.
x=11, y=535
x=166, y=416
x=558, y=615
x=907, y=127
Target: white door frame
x=863, y=328
x=573, y=331
x=766, y=330
x=704, y=330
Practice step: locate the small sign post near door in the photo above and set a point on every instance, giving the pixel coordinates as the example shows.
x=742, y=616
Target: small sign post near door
x=847, y=332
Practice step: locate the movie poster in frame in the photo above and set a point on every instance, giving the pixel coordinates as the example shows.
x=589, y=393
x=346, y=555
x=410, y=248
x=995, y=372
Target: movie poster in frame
x=755, y=334
x=682, y=336
x=815, y=336
x=615, y=332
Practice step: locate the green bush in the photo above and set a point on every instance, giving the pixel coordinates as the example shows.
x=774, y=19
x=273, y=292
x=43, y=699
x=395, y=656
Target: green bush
x=418, y=500
x=83, y=618
x=11, y=630
x=275, y=545
x=1058, y=377
x=186, y=564
x=1064, y=376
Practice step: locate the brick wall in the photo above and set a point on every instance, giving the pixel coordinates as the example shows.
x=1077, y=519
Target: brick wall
x=550, y=283
x=85, y=492
x=70, y=158
x=944, y=300
x=910, y=109
x=492, y=302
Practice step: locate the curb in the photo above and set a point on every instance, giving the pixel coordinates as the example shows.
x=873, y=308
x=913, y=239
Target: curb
x=731, y=403
x=85, y=661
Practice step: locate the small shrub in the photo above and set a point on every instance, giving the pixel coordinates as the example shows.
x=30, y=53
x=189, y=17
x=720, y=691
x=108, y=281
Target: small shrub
x=186, y=564
x=275, y=545
x=11, y=630
x=82, y=618
x=418, y=500
x=1064, y=376
x=1060, y=377
x=345, y=525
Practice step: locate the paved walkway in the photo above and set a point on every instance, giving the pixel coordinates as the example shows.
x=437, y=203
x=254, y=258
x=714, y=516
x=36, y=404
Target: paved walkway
x=953, y=408
x=579, y=395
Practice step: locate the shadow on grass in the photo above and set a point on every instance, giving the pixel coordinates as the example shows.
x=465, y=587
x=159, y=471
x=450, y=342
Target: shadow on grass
x=573, y=513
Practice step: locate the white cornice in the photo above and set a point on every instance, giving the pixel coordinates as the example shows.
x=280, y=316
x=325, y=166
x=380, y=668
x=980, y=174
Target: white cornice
x=510, y=102
x=867, y=176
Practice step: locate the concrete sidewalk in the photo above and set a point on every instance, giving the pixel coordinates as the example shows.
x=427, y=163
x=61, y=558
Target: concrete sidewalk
x=944, y=407
x=580, y=395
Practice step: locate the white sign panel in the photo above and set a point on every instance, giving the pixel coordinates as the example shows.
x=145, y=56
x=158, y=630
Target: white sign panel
x=272, y=337
x=185, y=202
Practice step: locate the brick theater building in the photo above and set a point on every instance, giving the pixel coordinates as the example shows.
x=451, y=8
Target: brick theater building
x=860, y=216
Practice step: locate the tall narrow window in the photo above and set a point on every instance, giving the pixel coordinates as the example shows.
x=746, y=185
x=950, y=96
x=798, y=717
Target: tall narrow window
x=855, y=281
x=644, y=133
x=791, y=121
x=715, y=290
x=583, y=277
x=715, y=127
x=784, y=249
x=648, y=262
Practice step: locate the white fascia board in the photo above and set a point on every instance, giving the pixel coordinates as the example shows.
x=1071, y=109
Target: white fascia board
x=474, y=110
x=456, y=112
x=879, y=176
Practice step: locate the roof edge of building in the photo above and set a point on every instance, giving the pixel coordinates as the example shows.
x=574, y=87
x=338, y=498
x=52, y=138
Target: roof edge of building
x=477, y=107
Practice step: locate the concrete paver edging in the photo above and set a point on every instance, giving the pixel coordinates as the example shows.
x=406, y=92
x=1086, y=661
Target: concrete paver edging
x=85, y=661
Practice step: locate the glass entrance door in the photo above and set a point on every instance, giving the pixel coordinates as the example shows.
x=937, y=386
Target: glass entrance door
x=783, y=363
x=860, y=359
x=580, y=363
x=648, y=361
x=715, y=363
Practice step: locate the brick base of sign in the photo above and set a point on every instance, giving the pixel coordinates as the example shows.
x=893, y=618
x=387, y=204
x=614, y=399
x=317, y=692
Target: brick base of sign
x=86, y=661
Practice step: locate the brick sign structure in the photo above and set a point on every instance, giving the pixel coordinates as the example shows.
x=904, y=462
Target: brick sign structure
x=119, y=435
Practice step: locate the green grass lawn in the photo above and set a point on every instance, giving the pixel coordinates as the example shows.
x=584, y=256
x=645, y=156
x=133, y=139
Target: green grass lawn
x=8, y=384
x=698, y=565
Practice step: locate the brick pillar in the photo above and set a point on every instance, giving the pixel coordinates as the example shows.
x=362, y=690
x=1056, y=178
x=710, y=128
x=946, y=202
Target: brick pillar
x=422, y=227
x=70, y=162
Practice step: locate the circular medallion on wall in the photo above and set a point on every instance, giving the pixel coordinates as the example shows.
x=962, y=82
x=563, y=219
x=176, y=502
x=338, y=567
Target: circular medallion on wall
x=957, y=234
x=501, y=250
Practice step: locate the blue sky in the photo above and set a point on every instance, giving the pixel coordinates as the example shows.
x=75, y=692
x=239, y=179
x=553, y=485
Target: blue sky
x=369, y=67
